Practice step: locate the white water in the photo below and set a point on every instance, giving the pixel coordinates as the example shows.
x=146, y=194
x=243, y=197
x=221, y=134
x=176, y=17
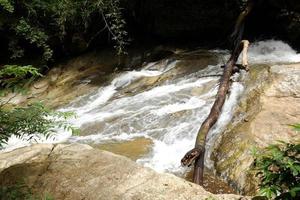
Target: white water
x=168, y=113
x=272, y=51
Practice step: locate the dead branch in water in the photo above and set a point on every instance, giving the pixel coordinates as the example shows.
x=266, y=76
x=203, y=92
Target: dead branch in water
x=197, y=154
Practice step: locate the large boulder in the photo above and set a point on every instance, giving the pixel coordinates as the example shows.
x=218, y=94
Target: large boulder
x=269, y=104
x=80, y=172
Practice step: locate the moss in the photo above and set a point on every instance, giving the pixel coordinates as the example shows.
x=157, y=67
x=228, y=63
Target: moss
x=231, y=155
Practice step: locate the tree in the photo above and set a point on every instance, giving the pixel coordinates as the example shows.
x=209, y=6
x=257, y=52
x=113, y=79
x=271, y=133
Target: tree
x=48, y=26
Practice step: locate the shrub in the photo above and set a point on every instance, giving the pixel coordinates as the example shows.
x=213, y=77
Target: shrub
x=278, y=167
x=53, y=24
x=20, y=191
x=31, y=120
x=14, y=78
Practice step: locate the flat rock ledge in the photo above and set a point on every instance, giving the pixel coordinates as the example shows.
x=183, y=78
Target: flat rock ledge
x=77, y=171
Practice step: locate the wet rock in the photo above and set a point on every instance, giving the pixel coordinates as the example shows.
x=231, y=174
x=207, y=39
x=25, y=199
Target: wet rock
x=268, y=105
x=70, y=79
x=82, y=75
x=81, y=172
x=133, y=149
x=212, y=183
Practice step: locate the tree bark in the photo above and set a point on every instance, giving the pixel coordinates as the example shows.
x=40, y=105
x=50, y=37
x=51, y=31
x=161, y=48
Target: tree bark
x=197, y=154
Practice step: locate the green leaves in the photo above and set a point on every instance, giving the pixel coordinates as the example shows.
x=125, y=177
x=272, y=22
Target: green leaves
x=296, y=127
x=6, y=5
x=116, y=26
x=18, y=71
x=34, y=35
x=294, y=191
x=20, y=191
x=14, y=192
x=14, y=78
x=269, y=192
x=32, y=120
x=278, y=168
x=44, y=25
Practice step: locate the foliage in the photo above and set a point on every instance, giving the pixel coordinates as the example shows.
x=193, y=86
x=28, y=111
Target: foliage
x=30, y=122
x=296, y=127
x=278, y=168
x=6, y=4
x=20, y=191
x=50, y=24
x=13, y=78
x=117, y=27
x=15, y=192
x=33, y=119
x=34, y=35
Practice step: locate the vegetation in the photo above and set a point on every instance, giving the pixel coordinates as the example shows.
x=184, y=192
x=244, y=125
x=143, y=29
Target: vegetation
x=20, y=191
x=14, y=78
x=46, y=26
x=278, y=168
x=30, y=120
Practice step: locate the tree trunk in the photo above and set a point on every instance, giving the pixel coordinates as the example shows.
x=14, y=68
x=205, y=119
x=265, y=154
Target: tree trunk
x=197, y=154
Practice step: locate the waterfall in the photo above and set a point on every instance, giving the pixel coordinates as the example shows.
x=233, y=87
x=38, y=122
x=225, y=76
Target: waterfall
x=161, y=103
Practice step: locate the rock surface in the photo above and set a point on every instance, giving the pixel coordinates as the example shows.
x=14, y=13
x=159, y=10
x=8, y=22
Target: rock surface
x=269, y=104
x=82, y=75
x=133, y=149
x=68, y=80
x=80, y=172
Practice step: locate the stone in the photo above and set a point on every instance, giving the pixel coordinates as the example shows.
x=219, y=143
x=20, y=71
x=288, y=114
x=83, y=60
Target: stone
x=268, y=105
x=77, y=171
x=133, y=149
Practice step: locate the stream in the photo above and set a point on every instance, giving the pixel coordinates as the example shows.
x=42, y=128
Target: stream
x=152, y=114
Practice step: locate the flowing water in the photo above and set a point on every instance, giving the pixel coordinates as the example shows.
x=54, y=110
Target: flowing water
x=161, y=106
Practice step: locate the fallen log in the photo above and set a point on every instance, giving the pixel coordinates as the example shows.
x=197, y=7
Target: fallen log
x=198, y=152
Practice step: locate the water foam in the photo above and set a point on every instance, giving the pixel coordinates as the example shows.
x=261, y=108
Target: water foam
x=190, y=104
x=168, y=150
x=272, y=51
x=26, y=140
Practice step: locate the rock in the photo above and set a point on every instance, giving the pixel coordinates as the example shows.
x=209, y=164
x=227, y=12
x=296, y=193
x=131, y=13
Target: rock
x=54, y=74
x=268, y=105
x=36, y=153
x=79, y=76
x=41, y=84
x=286, y=82
x=133, y=149
x=80, y=172
x=67, y=80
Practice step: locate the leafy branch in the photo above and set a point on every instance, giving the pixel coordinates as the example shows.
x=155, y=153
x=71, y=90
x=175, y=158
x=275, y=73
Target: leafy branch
x=278, y=169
